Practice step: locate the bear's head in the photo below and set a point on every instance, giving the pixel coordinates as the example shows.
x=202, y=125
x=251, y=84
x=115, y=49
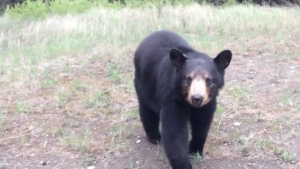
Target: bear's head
x=199, y=76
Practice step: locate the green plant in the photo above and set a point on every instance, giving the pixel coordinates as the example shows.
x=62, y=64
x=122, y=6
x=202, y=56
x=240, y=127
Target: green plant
x=29, y=9
x=195, y=158
x=285, y=156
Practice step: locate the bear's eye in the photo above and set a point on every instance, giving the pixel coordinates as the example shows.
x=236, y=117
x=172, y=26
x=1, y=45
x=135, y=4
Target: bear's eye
x=188, y=80
x=208, y=81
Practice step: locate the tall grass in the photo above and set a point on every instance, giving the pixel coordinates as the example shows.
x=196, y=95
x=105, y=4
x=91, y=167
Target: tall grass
x=26, y=42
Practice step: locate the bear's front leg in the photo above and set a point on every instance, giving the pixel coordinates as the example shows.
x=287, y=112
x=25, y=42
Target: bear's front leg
x=175, y=135
x=200, y=122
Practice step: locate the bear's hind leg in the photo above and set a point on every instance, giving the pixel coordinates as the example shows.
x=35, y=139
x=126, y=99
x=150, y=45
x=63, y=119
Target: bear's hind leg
x=149, y=118
x=150, y=121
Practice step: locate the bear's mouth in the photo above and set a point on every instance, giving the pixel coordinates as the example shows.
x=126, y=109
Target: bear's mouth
x=197, y=105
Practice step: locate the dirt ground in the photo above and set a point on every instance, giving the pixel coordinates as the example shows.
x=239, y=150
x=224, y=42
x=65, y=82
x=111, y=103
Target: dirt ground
x=268, y=74
x=257, y=127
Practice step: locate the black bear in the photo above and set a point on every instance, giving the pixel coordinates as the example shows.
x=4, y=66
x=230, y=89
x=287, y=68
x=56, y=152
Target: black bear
x=177, y=84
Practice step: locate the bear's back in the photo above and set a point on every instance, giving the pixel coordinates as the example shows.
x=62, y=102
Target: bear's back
x=156, y=47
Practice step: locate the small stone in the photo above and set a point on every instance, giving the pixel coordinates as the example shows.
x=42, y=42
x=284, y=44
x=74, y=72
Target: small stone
x=237, y=123
x=138, y=141
x=43, y=163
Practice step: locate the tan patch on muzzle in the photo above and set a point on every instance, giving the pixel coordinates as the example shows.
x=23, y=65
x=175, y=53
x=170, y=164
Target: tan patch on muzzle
x=198, y=87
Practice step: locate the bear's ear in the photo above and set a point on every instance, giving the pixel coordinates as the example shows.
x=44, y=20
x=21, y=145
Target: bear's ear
x=177, y=58
x=223, y=59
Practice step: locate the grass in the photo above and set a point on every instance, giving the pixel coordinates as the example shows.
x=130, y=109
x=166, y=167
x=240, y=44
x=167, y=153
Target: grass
x=67, y=81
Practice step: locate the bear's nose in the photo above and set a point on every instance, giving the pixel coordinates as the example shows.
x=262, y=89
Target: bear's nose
x=197, y=99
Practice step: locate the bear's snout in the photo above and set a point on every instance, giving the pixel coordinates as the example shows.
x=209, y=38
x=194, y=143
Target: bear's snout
x=197, y=100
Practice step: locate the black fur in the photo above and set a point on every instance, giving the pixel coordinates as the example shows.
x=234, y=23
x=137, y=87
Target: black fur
x=160, y=70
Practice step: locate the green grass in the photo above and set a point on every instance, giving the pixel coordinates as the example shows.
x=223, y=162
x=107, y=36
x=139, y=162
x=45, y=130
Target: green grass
x=67, y=80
